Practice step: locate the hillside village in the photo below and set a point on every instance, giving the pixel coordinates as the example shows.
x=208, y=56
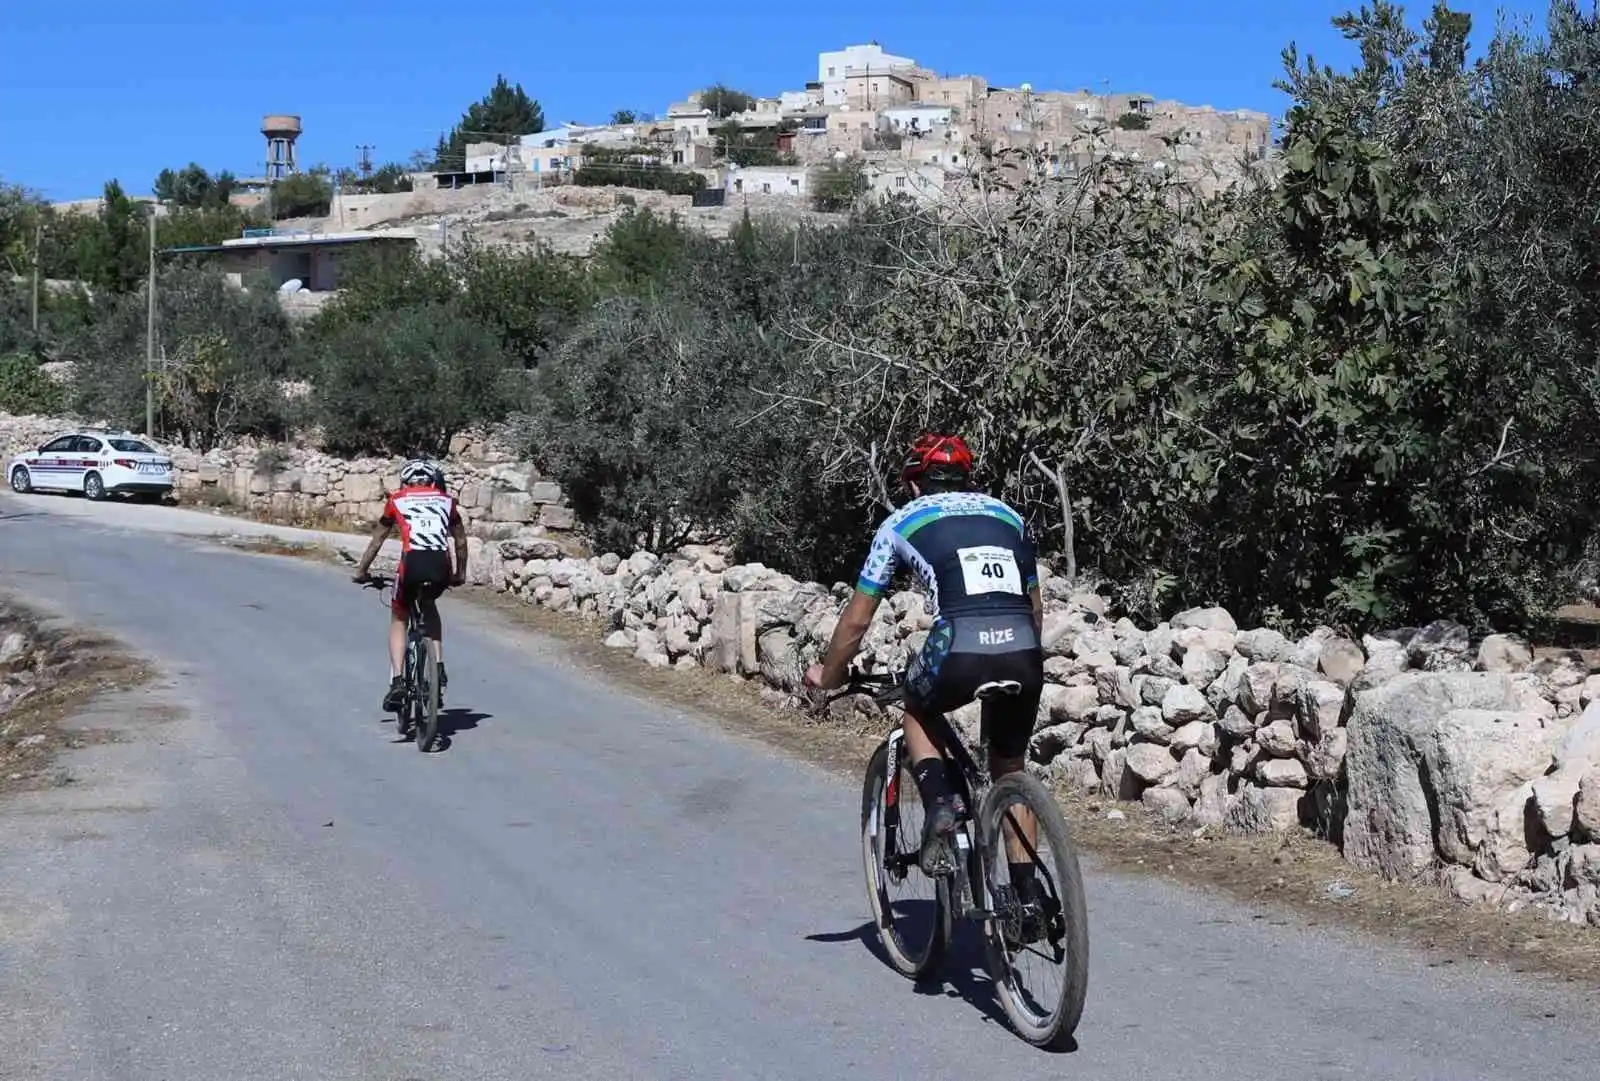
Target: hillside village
x=902, y=129
x=914, y=129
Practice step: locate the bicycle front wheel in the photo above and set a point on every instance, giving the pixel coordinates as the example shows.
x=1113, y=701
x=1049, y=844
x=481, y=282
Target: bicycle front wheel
x=428, y=721
x=915, y=932
x=1042, y=932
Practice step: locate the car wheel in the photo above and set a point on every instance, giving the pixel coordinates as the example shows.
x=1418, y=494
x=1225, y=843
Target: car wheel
x=21, y=483
x=93, y=487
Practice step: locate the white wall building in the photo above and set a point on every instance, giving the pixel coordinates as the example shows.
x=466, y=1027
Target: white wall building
x=767, y=180
x=695, y=123
x=893, y=179
x=834, y=67
x=923, y=118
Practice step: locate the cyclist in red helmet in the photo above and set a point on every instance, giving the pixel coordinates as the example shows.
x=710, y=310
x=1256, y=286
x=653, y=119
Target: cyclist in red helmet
x=973, y=555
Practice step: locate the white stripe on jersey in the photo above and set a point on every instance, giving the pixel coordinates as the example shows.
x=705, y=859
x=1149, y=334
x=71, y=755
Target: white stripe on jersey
x=427, y=516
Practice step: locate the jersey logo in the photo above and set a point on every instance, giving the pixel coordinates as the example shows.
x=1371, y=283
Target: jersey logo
x=997, y=637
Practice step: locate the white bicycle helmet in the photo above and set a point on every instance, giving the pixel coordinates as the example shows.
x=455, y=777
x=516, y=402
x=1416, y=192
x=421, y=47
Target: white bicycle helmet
x=422, y=473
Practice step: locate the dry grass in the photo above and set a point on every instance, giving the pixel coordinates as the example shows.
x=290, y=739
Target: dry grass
x=213, y=499
x=77, y=667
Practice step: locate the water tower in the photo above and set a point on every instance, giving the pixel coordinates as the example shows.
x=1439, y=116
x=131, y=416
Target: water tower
x=281, y=132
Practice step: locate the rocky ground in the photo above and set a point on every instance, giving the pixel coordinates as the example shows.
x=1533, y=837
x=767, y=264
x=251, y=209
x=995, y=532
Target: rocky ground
x=47, y=674
x=567, y=219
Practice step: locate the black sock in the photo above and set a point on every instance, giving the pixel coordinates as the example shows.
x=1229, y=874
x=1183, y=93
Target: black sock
x=931, y=779
x=1021, y=876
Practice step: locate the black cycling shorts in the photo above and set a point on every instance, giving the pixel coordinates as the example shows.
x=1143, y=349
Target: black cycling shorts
x=966, y=652
x=425, y=573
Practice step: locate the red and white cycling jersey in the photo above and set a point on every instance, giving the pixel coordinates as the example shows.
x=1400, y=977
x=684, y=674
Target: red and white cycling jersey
x=425, y=517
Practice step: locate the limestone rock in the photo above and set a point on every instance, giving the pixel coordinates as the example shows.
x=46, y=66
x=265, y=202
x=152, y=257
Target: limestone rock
x=1281, y=773
x=1236, y=724
x=1049, y=742
x=1263, y=645
x=1278, y=739
x=1148, y=722
x=1586, y=812
x=1264, y=810
x=1183, y=703
x=1554, y=799
x=1210, y=619
x=1441, y=646
x=1167, y=803
x=1326, y=759
x=1341, y=660
x=1459, y=749
x=1255, y=687
x=1196, y=735
x=1149, y=762
x=1503, y=653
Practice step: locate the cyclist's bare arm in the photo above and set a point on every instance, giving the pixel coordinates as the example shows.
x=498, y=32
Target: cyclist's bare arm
x=1038, y=609
x=458, y=533
x=847, y=634
x=380, y=533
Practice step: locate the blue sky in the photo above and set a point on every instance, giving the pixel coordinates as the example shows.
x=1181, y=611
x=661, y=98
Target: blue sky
x=95, y=89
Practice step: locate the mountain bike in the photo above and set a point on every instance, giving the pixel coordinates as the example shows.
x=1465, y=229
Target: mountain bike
x=978, y=885
x=419, y=708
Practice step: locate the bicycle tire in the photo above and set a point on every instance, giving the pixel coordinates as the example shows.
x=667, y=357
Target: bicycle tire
x=912, y=965
x=1056, y=1031
x=403, y=721
x=428, y=704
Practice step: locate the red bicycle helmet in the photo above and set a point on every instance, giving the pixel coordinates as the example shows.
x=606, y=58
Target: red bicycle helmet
x=931, y=450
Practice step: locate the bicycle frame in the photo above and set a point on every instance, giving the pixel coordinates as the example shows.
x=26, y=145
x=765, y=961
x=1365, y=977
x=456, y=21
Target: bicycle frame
x=973, y=899
x=416, y=635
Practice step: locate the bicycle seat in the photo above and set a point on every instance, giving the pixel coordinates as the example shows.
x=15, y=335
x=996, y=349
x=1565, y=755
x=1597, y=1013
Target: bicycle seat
x=996, y=687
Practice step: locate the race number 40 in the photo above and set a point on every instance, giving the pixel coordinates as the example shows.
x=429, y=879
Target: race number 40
x=990, y=570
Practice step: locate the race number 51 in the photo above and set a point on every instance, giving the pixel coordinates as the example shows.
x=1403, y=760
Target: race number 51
x=990, y=570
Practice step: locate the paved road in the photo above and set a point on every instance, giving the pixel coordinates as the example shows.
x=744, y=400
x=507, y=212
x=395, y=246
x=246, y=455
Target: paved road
x=582, y=886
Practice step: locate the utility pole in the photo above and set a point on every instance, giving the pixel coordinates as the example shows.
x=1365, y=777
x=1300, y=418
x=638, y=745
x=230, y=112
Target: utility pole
x=366, y=159
x=150, y=339
x=38, y=228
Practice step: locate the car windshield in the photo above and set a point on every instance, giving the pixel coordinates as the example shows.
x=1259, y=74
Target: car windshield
x=131, y=446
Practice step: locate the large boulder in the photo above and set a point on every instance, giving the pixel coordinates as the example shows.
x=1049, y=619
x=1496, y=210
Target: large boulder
x=1441, y=765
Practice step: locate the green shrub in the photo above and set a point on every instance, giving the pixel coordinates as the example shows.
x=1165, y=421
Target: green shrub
x=24, y=388
x=408, y=382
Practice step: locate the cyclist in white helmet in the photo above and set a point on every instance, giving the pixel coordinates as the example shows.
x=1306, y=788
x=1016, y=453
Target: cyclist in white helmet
x=429, y=519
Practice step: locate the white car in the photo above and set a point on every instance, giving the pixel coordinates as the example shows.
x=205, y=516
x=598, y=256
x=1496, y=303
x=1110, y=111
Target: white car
x=97, y=463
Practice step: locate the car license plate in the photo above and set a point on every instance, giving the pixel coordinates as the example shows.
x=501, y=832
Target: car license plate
x=150, y=467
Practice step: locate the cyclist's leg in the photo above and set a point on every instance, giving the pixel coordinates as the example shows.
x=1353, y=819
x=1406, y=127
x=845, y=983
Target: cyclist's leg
x=925, y=696
x=1007, y=726
x=399, y=606
x=433, y=577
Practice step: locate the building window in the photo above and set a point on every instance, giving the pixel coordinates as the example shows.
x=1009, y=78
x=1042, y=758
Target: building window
x=830, y=71
x=899, y=181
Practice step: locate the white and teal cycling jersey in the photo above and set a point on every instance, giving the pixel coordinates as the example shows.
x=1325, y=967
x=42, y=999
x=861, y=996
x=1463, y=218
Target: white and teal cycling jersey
x=970, y=550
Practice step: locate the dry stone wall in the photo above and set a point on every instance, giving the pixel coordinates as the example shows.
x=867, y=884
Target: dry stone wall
x=500, y=496
x=1422, y=753
x=1425, y=754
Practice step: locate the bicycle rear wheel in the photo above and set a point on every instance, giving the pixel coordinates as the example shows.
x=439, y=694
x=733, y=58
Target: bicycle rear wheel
x=404, y=718
x=428, y=699
x=914, y=934
x=1056, y=931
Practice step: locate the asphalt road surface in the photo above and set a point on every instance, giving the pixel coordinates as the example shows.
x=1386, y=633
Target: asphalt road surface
x=582, y=885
